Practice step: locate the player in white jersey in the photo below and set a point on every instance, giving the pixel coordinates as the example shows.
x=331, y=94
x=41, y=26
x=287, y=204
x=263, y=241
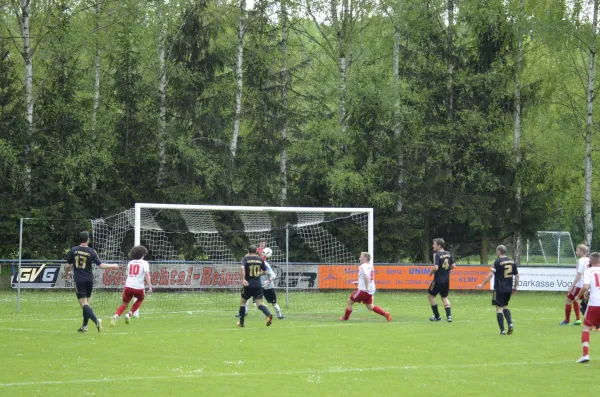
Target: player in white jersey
x=590, y=290
x=268, y=283
x=366, y=289
x=138, y=271
x=582, y=265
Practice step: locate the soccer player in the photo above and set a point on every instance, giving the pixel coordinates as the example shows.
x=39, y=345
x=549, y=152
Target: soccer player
x=259, y=251
x=366, y=289
x=269, y=290
x=82, y=256
x=582, y=264
x=504, y=269
x=443, y=263
x=591, y=291
x=252, y=268
x=138, y=270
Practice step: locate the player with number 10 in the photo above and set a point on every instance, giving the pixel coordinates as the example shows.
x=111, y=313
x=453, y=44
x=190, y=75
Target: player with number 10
x=138, y=270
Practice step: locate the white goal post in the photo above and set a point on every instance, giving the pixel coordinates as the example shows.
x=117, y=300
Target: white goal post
x=192, y=207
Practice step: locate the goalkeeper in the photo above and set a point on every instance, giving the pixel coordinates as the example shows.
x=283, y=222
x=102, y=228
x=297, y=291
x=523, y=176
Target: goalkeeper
x=269, y=289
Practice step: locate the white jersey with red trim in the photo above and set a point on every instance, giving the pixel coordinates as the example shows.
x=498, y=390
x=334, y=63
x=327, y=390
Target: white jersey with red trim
x=366, y=268
x=592, y=277
x=136, y=270
x=582, y=265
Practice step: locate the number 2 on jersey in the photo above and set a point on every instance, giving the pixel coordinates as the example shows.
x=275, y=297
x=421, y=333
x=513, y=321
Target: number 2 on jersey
x=372, y=275
x=507, y=271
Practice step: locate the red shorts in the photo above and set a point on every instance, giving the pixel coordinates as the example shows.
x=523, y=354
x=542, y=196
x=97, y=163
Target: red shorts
x=573, y=292
x=129, y=293
x=359, y=296
x=592, y=316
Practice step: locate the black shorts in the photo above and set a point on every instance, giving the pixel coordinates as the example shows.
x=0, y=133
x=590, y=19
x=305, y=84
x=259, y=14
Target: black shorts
x=83, y=288
x=270, y=295
x=439, y=288
x=501, y=299
x=252, y=292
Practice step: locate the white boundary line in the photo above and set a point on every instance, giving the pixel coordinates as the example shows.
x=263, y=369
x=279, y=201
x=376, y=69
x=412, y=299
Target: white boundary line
x=334, y=370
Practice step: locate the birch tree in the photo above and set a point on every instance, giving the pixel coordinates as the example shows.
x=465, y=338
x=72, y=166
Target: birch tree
x=284, y=102
x=237, y=117
x=162, y=92
x=517, y=124
x=589, y=127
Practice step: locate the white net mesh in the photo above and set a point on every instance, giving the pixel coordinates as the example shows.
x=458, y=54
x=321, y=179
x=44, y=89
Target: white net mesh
x=199, y=251
x=550, y=248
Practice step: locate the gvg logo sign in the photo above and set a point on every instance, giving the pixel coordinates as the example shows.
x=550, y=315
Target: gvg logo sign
x=36, y=276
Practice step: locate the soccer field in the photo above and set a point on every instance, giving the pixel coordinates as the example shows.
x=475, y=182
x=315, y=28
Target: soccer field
x=307, y=354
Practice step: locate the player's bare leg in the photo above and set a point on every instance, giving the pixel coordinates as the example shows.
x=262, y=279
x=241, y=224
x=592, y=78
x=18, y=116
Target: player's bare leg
x=266, y=311
x=585, y=344
x=434, y=308
x=446, y=303
x=379, y=311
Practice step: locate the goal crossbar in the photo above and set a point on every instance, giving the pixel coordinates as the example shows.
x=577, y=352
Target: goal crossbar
x=139, y=206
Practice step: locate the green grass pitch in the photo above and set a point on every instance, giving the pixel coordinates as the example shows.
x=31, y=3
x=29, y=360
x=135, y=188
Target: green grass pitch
x=311, y=353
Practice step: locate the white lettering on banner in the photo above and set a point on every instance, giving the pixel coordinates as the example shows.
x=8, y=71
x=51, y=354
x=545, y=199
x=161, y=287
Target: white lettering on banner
x=546, y=279
x=172, y=276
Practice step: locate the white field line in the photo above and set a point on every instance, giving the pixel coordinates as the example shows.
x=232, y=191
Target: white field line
x=335, y=370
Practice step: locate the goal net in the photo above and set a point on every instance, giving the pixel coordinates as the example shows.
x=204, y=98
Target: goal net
x=195, y=253
x=551, y=248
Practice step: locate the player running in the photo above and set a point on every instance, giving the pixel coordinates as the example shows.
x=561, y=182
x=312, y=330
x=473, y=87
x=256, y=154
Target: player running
x=582, y=264
x=366, y=289
x=81, y=258
x=504, y=269
x=443, y=263
x=138, y=270
x=590, y=290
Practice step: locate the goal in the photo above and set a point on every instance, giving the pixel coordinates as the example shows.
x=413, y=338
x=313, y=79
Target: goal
x=551, y=248
x=195, y=252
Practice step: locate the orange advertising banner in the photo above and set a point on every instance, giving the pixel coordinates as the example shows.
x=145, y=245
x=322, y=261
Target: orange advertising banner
x=400, y=277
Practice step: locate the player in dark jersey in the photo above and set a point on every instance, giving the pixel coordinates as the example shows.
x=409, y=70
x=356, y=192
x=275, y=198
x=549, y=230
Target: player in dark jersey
x=262, y=243
x=253, y=267
x=81, y=258
x=504, y=270
x=443, y=263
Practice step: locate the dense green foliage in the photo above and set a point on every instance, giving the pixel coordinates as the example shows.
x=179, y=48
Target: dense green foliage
x=440, y=143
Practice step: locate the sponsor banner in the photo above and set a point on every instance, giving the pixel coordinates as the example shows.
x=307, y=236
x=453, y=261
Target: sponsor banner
x=400, y=277
x=546, y=279
x=169, y=276
x=37, y=275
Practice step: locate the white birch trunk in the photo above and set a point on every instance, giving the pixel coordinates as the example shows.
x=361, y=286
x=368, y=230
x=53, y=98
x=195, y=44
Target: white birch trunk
x=238, y=76
x=517, y=127
x=96, y=102
x=284, y=105
x=28, y=61
x=589, y=127
x=398, y=113
x=162, y=96
x=450, y=83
